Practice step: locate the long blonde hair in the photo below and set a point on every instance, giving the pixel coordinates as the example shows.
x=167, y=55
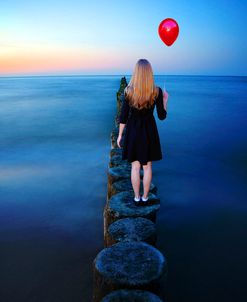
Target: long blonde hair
x=141, y=90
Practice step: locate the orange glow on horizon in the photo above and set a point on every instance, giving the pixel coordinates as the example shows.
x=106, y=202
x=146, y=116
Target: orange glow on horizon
x=54, y=59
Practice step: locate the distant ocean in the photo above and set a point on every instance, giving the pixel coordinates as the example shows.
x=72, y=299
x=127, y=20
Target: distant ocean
x=54, y=152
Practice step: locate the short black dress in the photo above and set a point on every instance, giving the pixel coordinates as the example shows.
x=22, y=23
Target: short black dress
x=141, y=140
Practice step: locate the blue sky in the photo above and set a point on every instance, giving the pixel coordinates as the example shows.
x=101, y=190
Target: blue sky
x=108, y=37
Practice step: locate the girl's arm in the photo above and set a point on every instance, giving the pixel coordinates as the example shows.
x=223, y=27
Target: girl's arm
x=121, y=129
x=161, y=105
x=123, y=117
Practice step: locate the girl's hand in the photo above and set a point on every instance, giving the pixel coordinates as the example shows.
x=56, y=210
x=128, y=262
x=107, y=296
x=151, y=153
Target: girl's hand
x=165, y=96
x=118, y=141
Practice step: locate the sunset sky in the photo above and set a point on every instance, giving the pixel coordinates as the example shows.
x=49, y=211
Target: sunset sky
x=108, y=37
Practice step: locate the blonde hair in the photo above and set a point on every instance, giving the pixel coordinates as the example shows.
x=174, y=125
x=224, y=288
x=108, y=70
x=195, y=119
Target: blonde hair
x=141, y=90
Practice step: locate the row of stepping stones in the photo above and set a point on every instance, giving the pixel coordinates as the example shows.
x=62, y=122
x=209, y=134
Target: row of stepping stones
x=129, y=267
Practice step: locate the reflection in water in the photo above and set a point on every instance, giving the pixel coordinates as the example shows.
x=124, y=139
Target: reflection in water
x=55, y=143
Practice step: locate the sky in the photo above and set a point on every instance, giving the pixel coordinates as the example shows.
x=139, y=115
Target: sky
x=108, y=37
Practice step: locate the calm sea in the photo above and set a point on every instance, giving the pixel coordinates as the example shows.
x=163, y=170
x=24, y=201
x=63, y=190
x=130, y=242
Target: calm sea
x=54, y=153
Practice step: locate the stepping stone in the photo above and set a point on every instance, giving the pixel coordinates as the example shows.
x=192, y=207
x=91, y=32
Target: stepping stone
x=131, y=295
x=127, y=229
x=118, y=173
x=117, y=160
x=126, y=185
x=121, y=205
x=114, y=132
x=120, y=98
x=115, y=174
x=114, y=142
x=115, y=151
x=128, y=265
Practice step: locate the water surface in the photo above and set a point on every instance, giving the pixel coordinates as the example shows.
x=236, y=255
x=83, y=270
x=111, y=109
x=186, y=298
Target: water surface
x=54, y=152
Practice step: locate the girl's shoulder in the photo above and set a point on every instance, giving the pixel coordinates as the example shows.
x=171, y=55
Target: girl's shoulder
x=158, y=89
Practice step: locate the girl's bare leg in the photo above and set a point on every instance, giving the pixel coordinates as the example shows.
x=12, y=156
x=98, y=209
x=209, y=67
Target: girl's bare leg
x=135, y=177
x=147, y=177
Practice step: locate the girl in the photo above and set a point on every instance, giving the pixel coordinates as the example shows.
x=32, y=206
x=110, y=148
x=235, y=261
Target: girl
x=141, y=143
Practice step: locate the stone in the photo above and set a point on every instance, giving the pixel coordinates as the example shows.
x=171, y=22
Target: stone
x=131, y=295
x=123, y=84
x=121, y=205
x=115, y=174
x=128, y=229
x=128, y=265
x=118, y=173
x=113, y=141
x=117, y=160
x=126, y=185
x=115, y=151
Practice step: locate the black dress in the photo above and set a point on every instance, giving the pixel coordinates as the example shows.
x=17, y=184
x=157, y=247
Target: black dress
x=141, y=140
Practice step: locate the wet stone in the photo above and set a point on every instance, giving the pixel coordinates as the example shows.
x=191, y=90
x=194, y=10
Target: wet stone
x=126, y=185
x=128, y=265
x=127, y=229
x=117, y=160
x=121, y=205
x=115, y=151
x=131, y=295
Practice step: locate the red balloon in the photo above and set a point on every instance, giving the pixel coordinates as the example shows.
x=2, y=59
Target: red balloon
x=168, y=31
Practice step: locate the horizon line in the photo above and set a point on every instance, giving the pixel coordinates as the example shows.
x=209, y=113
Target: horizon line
x=110, y=75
